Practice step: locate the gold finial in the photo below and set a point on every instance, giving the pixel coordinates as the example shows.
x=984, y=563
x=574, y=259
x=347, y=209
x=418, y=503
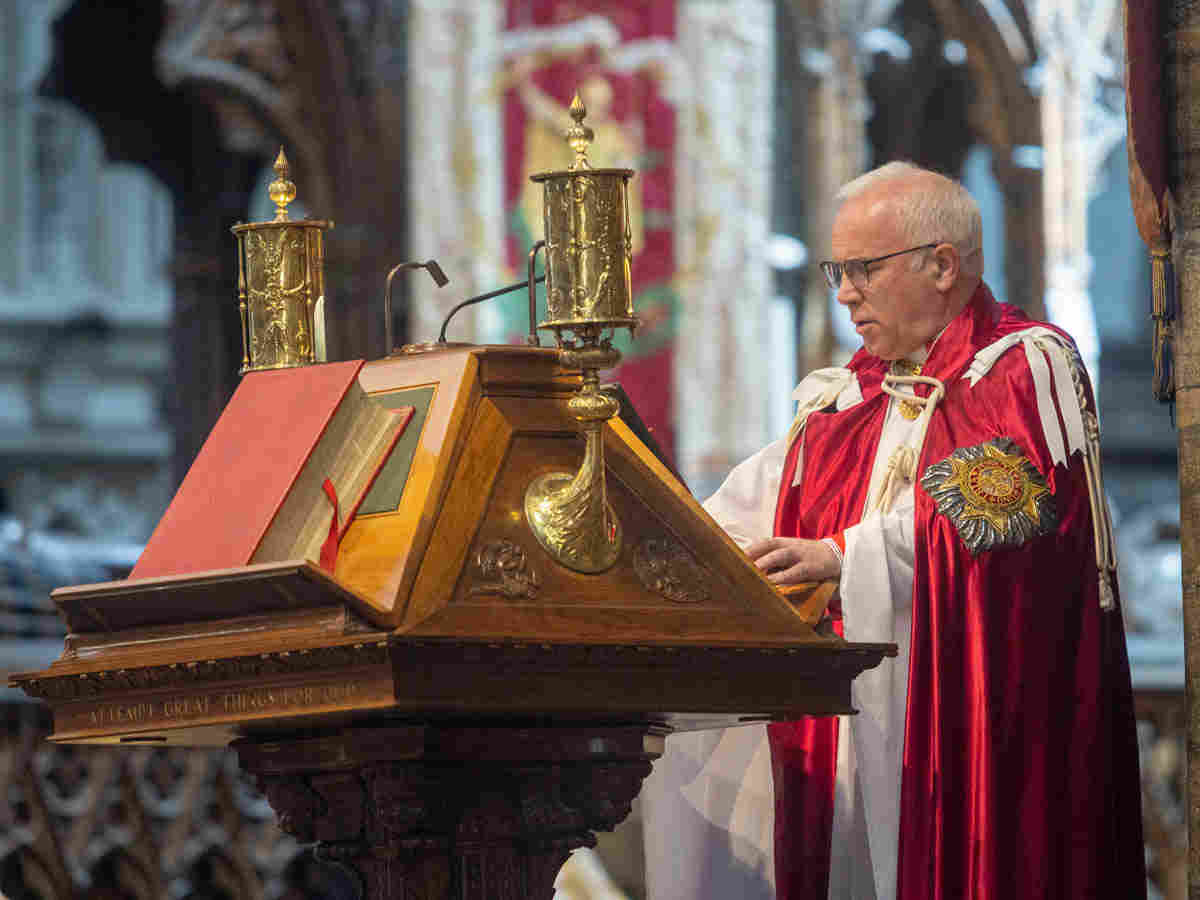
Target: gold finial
x=282, y=189
x=579, y=135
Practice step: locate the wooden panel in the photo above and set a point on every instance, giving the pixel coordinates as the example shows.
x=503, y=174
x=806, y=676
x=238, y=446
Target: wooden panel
x=186, y=652
x=811, y=599
x=190, y=684
x=693, y=636
x=201, y=597
x=632, y=462
x=617, y=589
x=565, y=681
x=562, y=617
x=190, y=641
x=736, y=605
x=173, y=715
x=379, y=555
x=525, y=371
x=484, y=453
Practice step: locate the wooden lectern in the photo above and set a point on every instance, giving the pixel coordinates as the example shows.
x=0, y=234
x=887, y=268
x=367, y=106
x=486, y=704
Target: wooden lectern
x=450, y=711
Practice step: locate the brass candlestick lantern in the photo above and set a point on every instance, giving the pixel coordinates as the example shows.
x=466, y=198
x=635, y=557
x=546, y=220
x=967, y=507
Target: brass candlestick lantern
x=588, y=293
x=281, y=284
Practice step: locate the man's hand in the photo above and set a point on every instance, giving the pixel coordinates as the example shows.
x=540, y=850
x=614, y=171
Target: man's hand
x=794, y=560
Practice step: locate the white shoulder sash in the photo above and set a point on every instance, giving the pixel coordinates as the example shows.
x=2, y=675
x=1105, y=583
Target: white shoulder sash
x=1042, y=344
x=819, y=389
x=1079, y=431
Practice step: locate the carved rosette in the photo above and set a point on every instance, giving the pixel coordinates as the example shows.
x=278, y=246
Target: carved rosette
x=667, y=568
x=505, y=568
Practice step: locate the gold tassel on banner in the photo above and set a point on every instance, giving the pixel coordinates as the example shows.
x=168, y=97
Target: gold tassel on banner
x=1149, y=194
x=1162, y=279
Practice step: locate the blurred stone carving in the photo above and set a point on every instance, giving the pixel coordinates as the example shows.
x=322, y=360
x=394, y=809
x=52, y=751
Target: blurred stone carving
x=136, y=821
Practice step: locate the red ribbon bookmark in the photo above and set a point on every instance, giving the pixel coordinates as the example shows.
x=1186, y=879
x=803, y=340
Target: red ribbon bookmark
x=329, y=549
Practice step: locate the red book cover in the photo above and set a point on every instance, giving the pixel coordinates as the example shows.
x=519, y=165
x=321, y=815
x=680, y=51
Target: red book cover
x=245, y=469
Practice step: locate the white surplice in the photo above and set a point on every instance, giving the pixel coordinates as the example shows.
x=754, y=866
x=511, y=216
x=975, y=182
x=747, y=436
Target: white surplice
x=714, y=824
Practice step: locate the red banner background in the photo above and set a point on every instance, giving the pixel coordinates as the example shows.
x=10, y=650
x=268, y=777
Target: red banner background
x=635, y=127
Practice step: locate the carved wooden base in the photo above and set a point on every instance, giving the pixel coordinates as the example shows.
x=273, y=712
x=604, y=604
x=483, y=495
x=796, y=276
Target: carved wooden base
x=432, y=812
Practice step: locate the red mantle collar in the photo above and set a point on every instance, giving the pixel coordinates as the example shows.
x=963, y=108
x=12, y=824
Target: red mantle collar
x=952, y=350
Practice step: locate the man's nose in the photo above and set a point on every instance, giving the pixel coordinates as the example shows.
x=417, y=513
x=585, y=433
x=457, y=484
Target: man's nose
x=847, y=293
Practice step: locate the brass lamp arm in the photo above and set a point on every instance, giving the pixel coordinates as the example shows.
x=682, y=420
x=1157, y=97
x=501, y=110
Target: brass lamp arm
x=488, y=296
x=431, y=266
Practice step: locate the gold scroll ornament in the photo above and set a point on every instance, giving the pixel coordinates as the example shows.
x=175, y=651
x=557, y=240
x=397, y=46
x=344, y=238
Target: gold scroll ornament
x=281, y=284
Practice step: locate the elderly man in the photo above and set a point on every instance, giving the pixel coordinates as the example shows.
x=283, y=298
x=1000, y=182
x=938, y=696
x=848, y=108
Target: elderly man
x=949, y=479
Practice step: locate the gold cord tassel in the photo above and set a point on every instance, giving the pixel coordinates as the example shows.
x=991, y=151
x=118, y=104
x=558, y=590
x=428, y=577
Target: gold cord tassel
x=1162, y=279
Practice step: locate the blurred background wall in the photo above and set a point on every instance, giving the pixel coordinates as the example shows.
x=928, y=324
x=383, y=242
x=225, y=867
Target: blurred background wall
x=134, y=134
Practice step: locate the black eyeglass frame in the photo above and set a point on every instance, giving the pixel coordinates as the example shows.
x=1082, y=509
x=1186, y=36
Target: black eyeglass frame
x=832, y=269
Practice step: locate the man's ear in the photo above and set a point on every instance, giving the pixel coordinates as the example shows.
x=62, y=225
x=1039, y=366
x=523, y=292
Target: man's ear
x=947, y=266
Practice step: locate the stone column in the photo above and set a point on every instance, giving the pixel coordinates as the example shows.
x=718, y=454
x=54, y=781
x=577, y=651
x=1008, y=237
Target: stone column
x=16, y=148
x=1077, y=135
x=722, y=208
x=1024, y=235
x=1183, y=112
x=26, y=47
x=837, y=144
x=455, y=162
x=837, y=152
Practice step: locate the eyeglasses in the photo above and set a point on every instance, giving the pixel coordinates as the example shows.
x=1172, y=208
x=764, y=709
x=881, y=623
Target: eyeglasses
x=856, y=269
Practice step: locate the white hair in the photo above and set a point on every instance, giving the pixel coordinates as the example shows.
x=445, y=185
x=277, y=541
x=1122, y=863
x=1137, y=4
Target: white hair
x=941, y=209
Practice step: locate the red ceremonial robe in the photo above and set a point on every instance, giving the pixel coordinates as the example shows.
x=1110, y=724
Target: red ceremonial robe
x=1020, y=769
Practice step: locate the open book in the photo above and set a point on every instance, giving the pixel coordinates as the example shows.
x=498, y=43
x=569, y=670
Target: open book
x=292, y=445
